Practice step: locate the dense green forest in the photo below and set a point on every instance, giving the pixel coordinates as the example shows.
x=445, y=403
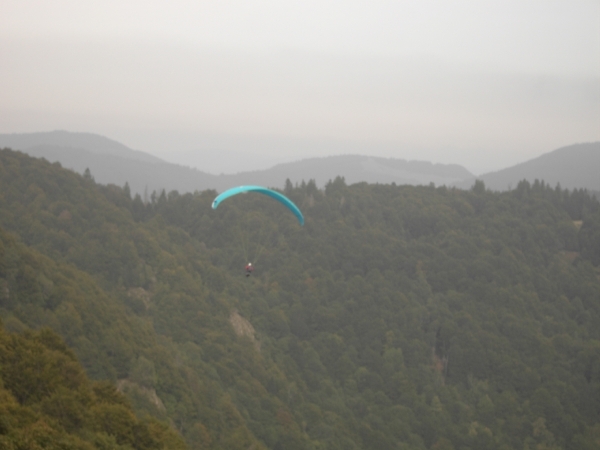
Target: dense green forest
x=47, y=402
x=398, y=317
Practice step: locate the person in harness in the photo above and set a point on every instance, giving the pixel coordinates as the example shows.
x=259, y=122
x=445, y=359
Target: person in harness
x=249, y=269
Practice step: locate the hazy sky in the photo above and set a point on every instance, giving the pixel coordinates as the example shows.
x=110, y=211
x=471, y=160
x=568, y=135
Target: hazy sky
x=228, y=85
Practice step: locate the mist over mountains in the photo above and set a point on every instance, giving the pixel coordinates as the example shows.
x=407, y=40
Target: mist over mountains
x=573, y=167
x=111, y=162
x=91, y=143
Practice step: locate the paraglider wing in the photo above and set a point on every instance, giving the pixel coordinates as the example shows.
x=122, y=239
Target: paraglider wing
x=274, y=194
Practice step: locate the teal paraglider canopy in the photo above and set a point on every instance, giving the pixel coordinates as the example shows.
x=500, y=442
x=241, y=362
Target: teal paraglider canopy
x=274, y=194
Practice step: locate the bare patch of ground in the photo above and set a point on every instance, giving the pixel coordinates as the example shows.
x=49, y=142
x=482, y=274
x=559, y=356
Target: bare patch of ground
x=242, y=327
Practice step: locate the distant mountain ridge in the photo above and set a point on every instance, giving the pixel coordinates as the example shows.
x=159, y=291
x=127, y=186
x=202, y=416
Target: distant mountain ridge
x=573, y=167
x=356, y=169
x=110, y=162
x=90, y=142
x=113, y=163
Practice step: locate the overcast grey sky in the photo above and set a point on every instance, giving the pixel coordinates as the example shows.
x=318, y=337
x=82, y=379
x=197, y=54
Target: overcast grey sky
x=485, y=84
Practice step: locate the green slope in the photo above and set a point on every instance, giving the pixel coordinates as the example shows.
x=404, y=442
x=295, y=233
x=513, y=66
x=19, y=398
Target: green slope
x=47, y=402
x=398, y=317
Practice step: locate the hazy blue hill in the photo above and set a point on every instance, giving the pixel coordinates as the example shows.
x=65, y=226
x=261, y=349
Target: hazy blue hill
x=574, y=167
x=113, y=163
x=355, y=169
x=110, y=162
x=36, y=143
x=143, y=177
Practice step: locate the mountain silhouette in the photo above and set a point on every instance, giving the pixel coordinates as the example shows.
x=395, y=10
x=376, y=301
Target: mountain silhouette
x=573, y=167
x=110, y=162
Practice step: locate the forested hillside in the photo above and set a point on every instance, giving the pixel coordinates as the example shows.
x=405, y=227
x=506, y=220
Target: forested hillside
x=47, y=402
x=398, y=317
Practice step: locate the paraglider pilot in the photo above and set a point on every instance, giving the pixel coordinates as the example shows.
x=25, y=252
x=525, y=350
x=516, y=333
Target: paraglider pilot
x=249, y=269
